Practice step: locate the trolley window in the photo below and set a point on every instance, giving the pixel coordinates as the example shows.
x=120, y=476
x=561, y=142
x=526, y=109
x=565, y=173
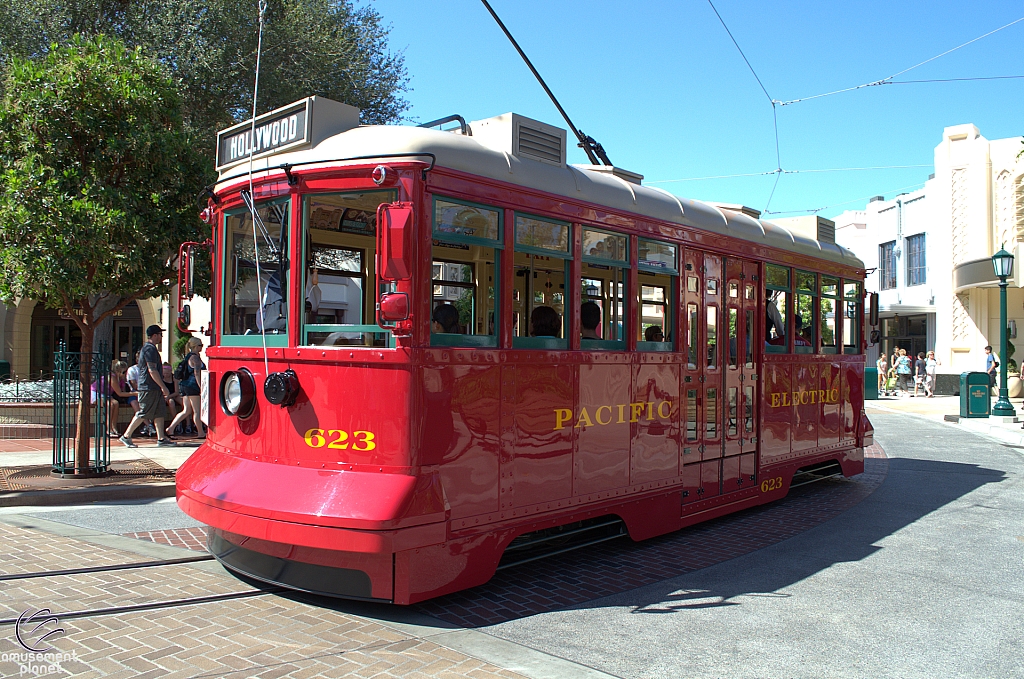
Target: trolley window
x=255, y=287
x=657, y=265
x=340, y=241
x=827, y=313
x=804, y=312
x=778, y=293
x=541, y=271
x=603, y=304
x=464, y=264
x=854, y=303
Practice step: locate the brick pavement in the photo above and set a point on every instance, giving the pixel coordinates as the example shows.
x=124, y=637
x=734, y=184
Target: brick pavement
x=621, y=565
x=189, y=538
x=267, y=637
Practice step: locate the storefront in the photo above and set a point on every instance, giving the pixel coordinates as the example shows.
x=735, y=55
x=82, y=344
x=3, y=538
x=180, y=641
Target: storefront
x=51, y=327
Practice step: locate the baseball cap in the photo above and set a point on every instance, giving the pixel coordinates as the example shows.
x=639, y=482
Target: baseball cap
x=152, y=330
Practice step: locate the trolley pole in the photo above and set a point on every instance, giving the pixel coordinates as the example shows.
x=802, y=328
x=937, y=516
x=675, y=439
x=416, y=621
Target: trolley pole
x=1002, y=263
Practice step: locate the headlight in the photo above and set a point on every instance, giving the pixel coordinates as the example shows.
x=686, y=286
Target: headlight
x=238, y=393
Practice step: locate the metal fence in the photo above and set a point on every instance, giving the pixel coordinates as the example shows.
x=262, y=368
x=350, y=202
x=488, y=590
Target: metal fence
x=68, y=379
x=26, y=391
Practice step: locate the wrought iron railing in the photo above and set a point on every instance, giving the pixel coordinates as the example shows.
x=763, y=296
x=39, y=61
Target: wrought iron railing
x=26, y=391
x=68, y=379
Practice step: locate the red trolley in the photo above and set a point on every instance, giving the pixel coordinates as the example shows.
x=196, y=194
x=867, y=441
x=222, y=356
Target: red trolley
x=437, y=352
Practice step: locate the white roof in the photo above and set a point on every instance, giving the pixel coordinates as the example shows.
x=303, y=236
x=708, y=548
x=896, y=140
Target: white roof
x=463, y=153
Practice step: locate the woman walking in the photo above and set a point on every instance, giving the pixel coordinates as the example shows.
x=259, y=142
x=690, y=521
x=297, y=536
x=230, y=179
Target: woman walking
x=189, y=386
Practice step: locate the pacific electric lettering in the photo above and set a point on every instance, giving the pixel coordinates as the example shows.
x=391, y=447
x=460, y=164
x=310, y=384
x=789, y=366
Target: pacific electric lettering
x=784, y=399
x=276, y=133
x=620, y=413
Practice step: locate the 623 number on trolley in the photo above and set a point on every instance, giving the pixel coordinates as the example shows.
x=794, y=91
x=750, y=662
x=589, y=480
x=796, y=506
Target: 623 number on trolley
x=340, y=439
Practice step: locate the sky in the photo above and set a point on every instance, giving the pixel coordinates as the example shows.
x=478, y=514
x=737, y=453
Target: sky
x=662, y=87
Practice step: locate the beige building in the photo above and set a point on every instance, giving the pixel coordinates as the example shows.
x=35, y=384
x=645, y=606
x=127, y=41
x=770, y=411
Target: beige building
x=930, y=250
x=31, y=333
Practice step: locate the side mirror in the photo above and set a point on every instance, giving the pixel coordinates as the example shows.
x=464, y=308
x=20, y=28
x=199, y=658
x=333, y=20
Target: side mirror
x=873, y=308
x=184, y=318
x=394, y=307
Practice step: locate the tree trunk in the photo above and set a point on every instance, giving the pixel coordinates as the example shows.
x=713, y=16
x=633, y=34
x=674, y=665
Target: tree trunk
x=85, y=379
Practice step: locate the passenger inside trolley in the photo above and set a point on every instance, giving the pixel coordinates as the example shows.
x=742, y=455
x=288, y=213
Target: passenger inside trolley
x=654, y=333
x=445, y=319
x=545, y=322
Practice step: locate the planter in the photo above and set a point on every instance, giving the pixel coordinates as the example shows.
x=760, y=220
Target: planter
x=1014, y=386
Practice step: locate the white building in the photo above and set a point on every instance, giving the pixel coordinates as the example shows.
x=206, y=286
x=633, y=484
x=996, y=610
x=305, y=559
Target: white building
x=930, y=250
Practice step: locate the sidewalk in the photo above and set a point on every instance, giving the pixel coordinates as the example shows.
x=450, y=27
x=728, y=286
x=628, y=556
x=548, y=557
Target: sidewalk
x=946, y=409
x=138, y=473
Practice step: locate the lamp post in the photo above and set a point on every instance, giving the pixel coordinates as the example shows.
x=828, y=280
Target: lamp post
x=1002, y=264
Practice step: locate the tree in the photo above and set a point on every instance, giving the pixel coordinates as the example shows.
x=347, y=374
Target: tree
x=327, y=47
x=98, y=177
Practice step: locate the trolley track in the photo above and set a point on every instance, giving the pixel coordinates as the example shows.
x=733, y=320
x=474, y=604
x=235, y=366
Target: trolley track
x=154, y=605
x=104, y=569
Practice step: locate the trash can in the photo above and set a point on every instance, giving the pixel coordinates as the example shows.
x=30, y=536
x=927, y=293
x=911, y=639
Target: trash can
x=870, y=384
x=974, y=395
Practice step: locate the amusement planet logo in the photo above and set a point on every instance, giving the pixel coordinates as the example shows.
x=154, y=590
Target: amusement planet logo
x=32, y=631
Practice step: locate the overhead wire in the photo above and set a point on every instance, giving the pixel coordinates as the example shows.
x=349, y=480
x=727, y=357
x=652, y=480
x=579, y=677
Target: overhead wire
x=771, y=100
x=846, y=202
x=767, y=172
x=889, y=80
x=252, y=197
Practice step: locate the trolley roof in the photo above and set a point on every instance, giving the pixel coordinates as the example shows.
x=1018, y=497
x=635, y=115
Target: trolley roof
x=598, y=186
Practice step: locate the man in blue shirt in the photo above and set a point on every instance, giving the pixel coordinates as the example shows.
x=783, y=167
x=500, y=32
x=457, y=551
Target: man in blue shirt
x=991, y=363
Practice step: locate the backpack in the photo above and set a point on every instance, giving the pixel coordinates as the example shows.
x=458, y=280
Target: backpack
x=181, y=368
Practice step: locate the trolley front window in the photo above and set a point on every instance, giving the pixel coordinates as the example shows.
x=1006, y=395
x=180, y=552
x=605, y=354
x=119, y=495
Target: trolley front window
x=340, y=246
x=854, y=302
x=256, y=275
x=828, y=306
x=804, y=312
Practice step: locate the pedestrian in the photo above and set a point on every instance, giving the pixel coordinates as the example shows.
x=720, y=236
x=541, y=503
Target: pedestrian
x=931, y=365
x=920, y=373
x=882, y=364
x=991, y=363
x=904, y=370
x=191, y=368
x=152, y=390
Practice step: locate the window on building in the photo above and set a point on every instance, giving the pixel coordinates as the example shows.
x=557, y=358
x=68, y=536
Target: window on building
x=915, y=260
x=887, y=265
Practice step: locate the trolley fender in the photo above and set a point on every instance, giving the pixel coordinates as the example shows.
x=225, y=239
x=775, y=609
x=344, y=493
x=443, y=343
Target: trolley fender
x=320, y=497
x=865, y=431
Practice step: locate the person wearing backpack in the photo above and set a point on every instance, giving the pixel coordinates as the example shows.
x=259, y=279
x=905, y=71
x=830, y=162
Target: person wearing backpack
x=190, y=369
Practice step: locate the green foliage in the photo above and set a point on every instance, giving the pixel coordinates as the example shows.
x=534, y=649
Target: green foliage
x=327, y=47
x=178, y=349
x=98, y=179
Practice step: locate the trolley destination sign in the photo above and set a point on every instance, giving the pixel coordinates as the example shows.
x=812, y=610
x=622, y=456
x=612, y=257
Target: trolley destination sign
x=284, y=128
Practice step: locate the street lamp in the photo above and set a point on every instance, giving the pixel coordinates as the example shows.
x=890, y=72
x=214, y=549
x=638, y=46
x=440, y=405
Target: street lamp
x=1002, y=264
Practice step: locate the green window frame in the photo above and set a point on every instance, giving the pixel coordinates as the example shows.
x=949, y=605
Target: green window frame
x=452, y=237
x=805, y=307
x=853, y=300
x=526, y=242
x=608, y=249
x=830, y=294
x=377, y=336
x=778, y=279
x=258, y=339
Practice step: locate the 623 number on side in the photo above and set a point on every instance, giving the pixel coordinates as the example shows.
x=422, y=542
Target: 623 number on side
x=768, y=485
x=338, y=439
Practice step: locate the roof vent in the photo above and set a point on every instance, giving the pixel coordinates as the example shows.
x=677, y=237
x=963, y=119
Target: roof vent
x=810, y=226
x=753, y=213
x=522, y=137
x=626, y=175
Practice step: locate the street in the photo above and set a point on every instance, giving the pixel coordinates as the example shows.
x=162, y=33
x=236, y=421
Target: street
x=910, y=570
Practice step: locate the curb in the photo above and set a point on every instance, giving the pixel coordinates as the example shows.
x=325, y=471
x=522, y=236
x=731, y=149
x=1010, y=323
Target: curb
x=37, y=498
